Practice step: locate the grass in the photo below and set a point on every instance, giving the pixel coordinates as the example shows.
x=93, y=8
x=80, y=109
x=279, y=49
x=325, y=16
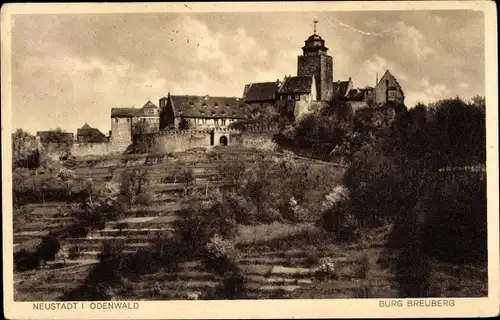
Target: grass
x=362, y=270
x=268, y=232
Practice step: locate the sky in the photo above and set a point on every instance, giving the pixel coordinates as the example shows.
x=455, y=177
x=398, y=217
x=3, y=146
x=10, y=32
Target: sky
x=71, y=69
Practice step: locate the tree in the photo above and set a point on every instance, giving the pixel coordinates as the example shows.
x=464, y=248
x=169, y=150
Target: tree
x=134, y=183
x=67, y=176
x=58, y=135
x=62, y=254
x=25, y=151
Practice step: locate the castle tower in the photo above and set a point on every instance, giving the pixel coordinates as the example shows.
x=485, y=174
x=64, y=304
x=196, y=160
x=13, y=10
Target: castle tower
x=315, y=61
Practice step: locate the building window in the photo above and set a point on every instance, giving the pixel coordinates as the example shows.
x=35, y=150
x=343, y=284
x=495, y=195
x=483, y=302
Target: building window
x=223, y=122
x=216, y=121
x=204, y=121
x=116, y=120
x=297, y=97
x=290, y=97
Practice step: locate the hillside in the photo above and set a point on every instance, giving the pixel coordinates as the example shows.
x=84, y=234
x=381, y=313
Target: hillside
x=277, y=259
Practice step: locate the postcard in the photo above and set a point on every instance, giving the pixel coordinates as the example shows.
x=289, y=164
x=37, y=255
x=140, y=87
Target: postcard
x=250, y=160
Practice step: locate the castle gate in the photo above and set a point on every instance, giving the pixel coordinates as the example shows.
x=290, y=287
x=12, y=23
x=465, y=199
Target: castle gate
x=223, y=141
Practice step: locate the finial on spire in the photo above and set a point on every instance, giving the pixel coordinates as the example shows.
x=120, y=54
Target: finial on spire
x=315, y=21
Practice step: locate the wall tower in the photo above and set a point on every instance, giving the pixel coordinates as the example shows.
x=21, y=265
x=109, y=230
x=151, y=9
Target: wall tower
x=315, y=61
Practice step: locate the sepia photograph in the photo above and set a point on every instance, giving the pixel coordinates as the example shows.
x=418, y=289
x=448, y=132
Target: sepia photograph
x=211, y=152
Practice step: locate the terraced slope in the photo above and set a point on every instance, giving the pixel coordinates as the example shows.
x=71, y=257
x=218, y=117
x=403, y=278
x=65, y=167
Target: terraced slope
x=136, y=230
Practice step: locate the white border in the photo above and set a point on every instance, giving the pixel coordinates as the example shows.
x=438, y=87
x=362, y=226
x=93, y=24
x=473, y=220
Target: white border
x=320, y=308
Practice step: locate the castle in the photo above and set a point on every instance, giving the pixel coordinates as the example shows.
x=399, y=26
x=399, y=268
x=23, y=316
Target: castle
x=313, y=87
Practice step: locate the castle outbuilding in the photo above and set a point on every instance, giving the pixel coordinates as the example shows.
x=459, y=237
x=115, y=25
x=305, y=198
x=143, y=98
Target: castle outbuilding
x=201, y=112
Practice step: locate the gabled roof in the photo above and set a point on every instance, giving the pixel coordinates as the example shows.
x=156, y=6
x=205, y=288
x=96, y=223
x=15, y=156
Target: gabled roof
x=132, y=112
x=123, y=112
x=299, y=84
x=359, y=94
x=149, y=104
x=388, y=74
x=340, y=88
x=149, y=109
x=88, y=131
x=262, y=91
x=209, y=107
x=53, y=135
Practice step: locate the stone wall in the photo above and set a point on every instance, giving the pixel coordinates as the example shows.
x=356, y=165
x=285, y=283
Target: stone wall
x=121, y=130
x=254, y=140
x=54, y=150
x=97, y=148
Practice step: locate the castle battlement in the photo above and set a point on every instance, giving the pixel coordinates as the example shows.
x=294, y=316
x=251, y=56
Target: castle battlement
x=259, y=128
x=197, y=131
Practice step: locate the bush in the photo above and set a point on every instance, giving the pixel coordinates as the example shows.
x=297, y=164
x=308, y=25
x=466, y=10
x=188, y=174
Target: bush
x=178, y=175
x=245, y=212
x=230, y=172
x=337, y=217
x=26, y=260
x=362, y=266
x=100, y=207
x=144, y=199
x=48, y=248
x=134, y=182
x=413, y=271
x=203, y=220
x=74, y=253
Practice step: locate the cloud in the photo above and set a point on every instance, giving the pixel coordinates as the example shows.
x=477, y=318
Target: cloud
x=426, y=92
x=72, y=69
x=412, y=41
x=378, y=65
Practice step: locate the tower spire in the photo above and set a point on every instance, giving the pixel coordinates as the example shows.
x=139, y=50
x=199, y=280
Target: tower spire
x=315, y=22
x=376, y=80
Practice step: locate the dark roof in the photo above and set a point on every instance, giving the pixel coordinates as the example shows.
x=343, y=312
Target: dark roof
x=132, y=112
x=340, y=87
x=359, y=94
x=53, y=135
x=123, y=112
x=149, y=104
x=261, y=91
x=147, y=108
x=209, y=107
x=297, y=84
x=314, y=37
x=88, y=131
